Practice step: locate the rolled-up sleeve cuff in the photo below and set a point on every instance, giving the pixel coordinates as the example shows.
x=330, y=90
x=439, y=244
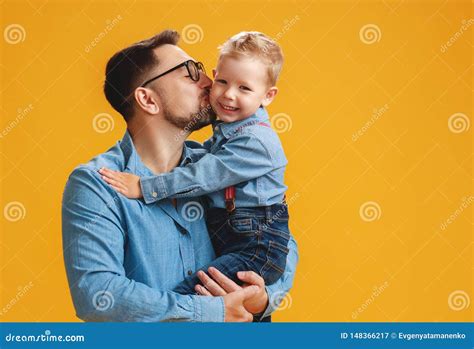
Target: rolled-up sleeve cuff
x=153, y=189
x=209, y=309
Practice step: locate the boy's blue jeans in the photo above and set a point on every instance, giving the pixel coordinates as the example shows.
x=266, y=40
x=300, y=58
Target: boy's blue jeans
x=254, y=238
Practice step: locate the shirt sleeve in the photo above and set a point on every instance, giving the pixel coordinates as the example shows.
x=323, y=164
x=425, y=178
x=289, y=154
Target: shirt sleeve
x=242, y=158
x=93, y=247
x=278, y=291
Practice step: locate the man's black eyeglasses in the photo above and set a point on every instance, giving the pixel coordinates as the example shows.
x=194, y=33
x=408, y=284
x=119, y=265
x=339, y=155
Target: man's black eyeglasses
x=193, y=68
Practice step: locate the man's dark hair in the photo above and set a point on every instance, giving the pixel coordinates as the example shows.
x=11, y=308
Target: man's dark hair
x=126, y=69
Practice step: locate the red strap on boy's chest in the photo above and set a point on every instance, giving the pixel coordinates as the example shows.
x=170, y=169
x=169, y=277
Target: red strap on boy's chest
x=229, y=194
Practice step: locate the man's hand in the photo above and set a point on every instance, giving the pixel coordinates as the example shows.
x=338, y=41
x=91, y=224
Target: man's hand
x=234, y=305
x=221, y=285
x=125, y=183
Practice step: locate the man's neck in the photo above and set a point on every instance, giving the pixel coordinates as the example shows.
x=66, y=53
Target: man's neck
x=159, y=147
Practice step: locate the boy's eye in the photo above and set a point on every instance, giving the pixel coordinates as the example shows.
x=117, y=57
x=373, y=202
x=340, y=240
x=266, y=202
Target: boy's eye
x=245, y=88
x=220, y=81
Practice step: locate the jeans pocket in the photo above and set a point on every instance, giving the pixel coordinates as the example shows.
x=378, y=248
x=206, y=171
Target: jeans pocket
x=281, y=235
x=275, y=265
x=243, y=225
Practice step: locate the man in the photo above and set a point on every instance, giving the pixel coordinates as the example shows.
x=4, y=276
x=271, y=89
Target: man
x=123, y=257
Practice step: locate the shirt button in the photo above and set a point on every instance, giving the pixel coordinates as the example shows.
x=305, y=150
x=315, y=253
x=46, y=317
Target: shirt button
x=190, y=272
x=154, y=194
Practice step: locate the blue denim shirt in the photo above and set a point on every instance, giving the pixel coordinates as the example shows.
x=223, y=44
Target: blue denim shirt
x=244, y=153
x=123, y=256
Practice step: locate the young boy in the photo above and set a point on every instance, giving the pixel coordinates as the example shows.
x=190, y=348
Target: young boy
x=242, y=173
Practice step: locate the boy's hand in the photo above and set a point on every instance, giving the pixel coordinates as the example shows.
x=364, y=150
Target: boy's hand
x=125, y=183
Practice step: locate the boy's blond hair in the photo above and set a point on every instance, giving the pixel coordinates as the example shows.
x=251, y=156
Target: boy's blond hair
x=258, y=45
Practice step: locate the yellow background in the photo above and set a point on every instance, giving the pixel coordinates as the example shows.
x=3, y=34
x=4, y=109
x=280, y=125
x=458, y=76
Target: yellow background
x=407, y=160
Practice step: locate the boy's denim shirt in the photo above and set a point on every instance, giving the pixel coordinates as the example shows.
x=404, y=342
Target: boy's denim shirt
x=123, y=256
x=244, y=153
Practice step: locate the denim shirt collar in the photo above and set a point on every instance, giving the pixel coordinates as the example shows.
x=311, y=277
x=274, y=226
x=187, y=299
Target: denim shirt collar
x=229, y=129
x=134, y=164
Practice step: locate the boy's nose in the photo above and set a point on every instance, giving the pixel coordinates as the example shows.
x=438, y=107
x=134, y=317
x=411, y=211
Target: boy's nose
x=229, y=94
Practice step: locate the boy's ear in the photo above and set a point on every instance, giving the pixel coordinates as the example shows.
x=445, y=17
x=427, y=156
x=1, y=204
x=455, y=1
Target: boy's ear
x=270, y=95
x=213, y=73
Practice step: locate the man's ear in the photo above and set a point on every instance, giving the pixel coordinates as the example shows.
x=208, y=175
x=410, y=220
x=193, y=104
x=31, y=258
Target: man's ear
x=269, y=96
x=213, y=73
x=146, y=100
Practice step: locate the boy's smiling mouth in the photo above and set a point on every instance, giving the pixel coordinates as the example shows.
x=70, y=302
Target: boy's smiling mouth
x=227, y=107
